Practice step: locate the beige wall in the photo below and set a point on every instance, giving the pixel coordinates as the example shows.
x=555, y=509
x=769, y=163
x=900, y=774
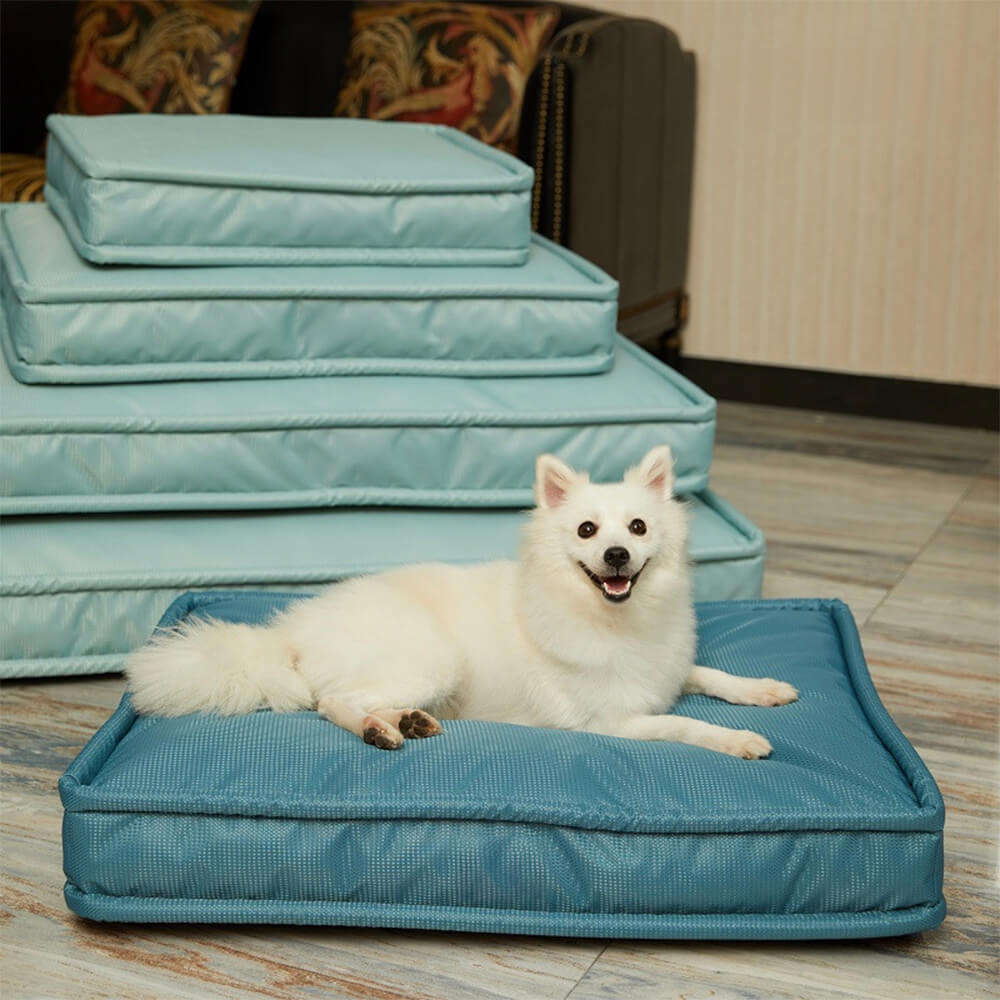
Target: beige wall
x=846, y=180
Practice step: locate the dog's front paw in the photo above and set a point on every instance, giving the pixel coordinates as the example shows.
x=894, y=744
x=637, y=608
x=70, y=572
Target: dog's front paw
x=744, y=743
x=417, y=725
x=413, y=723
x=378, y=733
x=768, y=692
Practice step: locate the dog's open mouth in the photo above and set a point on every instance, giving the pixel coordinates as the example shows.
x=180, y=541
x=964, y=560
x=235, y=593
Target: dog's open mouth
x=615, y=588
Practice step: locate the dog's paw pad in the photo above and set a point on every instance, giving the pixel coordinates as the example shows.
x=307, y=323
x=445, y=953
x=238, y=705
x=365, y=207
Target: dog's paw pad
x=417, y=725
x=771, y=692
x=746, y=744
x=379, y=735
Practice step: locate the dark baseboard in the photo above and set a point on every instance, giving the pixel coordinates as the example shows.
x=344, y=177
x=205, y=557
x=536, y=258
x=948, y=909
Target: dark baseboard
x=837, y=392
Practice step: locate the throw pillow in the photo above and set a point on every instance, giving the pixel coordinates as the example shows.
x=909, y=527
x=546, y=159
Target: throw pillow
x=458, y=64
x=156, y=55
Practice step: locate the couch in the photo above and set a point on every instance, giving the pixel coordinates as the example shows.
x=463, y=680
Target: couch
x=608, y=125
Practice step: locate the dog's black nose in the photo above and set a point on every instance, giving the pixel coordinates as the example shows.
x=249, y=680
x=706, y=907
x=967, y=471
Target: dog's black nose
x=616, y=556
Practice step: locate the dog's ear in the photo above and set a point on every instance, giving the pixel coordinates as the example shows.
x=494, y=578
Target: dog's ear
x=553, y=481
x=655, y=472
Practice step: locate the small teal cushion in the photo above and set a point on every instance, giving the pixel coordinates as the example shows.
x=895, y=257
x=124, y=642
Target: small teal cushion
x=70, y=321
x=79, y=592
x=339, y=440
x=231, y=189
x=497, y=828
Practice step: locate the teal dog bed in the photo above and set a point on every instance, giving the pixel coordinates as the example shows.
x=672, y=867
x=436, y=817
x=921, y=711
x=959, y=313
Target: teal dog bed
x=71, y=321
x=78, y=592
x=383, y=440
x=229, y=189
x=505, y=829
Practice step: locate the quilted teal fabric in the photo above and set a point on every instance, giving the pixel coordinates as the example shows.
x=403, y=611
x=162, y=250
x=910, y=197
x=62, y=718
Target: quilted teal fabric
x=498, y=828
x=232, y=189
x=389, y=440
x=71, y=321
x=78, y=592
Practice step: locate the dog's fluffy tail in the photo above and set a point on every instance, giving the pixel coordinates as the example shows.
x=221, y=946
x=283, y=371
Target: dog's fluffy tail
x=212, y=666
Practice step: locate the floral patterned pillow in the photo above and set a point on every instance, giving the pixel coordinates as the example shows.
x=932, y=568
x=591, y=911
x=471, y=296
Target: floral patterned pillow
x=458, y=64
x=156, y=55
x=22, y=178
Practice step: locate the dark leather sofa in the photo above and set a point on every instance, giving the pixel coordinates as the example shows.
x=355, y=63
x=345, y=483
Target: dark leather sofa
x=608, y=125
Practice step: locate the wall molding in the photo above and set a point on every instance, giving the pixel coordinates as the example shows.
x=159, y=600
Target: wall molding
x=840, y=392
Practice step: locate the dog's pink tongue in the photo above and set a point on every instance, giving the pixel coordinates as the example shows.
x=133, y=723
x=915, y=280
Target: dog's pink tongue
x=617, y=584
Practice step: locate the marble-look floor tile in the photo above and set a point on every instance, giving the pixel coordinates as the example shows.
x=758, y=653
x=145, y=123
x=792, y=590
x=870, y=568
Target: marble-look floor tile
x=938, y=630
x=769, y=971
x=970, y=538
x=933, y=648
x=868, y=520
x=955, y=450
x=835, y=527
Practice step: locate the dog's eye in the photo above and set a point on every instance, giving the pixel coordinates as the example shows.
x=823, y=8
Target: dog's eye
x=637, y=526
x=587, y=529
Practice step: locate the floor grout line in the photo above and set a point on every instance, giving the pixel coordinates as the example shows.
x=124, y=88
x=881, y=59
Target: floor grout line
x=586, y=972
x=923, y=548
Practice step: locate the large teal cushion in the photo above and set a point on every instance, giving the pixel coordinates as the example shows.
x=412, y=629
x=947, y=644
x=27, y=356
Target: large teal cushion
x=79, y=592
x=498, y=828
x=70, y=321
x=400, y=440
x=228, y=189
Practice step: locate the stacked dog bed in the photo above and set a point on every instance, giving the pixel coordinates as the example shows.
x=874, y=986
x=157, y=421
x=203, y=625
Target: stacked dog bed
x=326, y=348
x=274, y=352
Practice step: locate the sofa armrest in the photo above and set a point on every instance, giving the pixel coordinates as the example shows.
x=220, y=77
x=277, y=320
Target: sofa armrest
x=609, y=128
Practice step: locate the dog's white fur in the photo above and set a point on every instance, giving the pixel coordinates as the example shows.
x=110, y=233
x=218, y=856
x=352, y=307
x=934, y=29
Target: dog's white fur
x=539, y=642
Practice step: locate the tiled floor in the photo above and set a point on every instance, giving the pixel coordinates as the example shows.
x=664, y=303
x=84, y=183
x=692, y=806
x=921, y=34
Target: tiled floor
x=899, y=520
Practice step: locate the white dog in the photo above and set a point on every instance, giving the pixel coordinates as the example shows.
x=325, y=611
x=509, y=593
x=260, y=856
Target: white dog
x=592, y=628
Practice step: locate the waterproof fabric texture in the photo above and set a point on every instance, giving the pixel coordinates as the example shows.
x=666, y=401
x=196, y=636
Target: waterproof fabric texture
x=396, y=440
x=231, y=189
x=496, y=828
x=70, y=321
x=78, y=593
